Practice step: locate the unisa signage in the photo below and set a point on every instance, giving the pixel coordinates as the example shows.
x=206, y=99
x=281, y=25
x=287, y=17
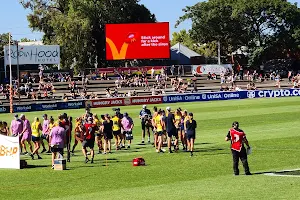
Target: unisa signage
x=204, y=97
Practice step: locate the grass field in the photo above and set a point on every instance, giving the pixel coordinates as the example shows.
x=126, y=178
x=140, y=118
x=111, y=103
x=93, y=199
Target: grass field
x=272, y=128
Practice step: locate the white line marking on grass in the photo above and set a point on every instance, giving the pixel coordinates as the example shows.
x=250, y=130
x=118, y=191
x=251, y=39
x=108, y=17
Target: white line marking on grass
x=290, y=170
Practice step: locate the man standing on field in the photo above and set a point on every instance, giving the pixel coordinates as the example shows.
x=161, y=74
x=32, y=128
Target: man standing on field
x=238, y=138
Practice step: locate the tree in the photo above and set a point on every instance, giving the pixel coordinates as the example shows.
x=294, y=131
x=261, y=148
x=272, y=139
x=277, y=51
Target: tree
x=78, y=25
x=266, y=27
x=26, y=40
x=4, y=40
x=183, y=37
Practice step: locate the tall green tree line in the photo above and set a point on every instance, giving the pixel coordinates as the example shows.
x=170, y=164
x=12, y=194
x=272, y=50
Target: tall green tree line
x=78, y=25
x=269, y=28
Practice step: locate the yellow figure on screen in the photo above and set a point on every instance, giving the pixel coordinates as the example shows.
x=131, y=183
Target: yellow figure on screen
x=131, y=38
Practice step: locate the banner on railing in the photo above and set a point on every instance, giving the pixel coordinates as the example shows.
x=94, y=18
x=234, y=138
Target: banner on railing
x=105, y=102
x=213, y=69
x=193, y=97
x=4, y=109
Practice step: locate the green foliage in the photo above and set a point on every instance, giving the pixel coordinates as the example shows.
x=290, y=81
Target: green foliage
x=26, y=40
x=269, y=28
x=4, y=40
x=183, y=37
x=78, y=25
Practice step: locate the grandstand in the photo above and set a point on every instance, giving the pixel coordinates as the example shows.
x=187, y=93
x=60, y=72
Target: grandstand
x=98, y=88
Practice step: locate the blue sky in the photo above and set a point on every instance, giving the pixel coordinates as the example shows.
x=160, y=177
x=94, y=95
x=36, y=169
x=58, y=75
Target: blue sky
x=13, y=16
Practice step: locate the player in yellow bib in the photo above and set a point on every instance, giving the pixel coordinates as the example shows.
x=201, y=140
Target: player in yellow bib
x=117, y=130
x=36, y=127
x=98, y=133
x=159, y=126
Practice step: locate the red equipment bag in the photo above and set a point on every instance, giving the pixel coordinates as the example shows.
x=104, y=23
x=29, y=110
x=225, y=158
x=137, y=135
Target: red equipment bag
x=138, y=162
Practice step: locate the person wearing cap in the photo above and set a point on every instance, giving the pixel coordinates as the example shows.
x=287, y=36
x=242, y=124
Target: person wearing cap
x=45, y=133
x=57, y=138
x=145, y=116
x=26, y=135
x=89, y=139
x=127, y=126
x=238, y=139
x=171, y=130
x=191, y=126
x=36, y=127
x=107, y=129
x=117, y=130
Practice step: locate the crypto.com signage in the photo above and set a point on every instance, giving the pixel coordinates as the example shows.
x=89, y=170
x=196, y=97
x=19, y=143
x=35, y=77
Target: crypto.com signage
x=39, y=54
x=137, y=41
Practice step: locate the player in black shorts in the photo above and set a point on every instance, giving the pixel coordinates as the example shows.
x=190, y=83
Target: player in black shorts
x=145, y=116
x=107, y=127
x=171, y=130
x=191, y=126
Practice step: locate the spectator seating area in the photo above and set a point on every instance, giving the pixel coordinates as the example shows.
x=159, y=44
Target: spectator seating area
x=99, y=89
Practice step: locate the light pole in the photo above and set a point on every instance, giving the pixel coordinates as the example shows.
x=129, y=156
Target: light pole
x=18, y=70
x=10, y=76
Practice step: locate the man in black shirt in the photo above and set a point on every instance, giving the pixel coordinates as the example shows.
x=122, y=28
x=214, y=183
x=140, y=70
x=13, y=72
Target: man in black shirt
x=171, y=130
x=191, y=126
x=145, y=116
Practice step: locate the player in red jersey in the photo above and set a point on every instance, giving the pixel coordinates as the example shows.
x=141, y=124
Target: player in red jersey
x=238, y=138
x=89, y=139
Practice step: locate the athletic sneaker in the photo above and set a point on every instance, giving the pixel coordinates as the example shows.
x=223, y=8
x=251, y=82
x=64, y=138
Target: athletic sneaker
x=39, y=157
x=99, y=152
x=104, y=153
x=143, y=142
x=51, y=152
x=44, y=150
x=248, y=174
x=128, y=147
x=32, y=157
x=163, y=150
x=170, y=151
x=86, y=160
x=92, y=161
x=52, y=167
x=68, y=160
x=88, y=153
x=192, y=154
x=26, y=153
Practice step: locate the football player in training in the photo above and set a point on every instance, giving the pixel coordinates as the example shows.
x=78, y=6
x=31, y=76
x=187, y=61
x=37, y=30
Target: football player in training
x=117, y=130
x=145, y=116
x=159, y=126
x=127, y=126
x=78, y=132
x=238, y=139
x=191, y=126
x=98, y=133
x=171, y=130
x=89, y=139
